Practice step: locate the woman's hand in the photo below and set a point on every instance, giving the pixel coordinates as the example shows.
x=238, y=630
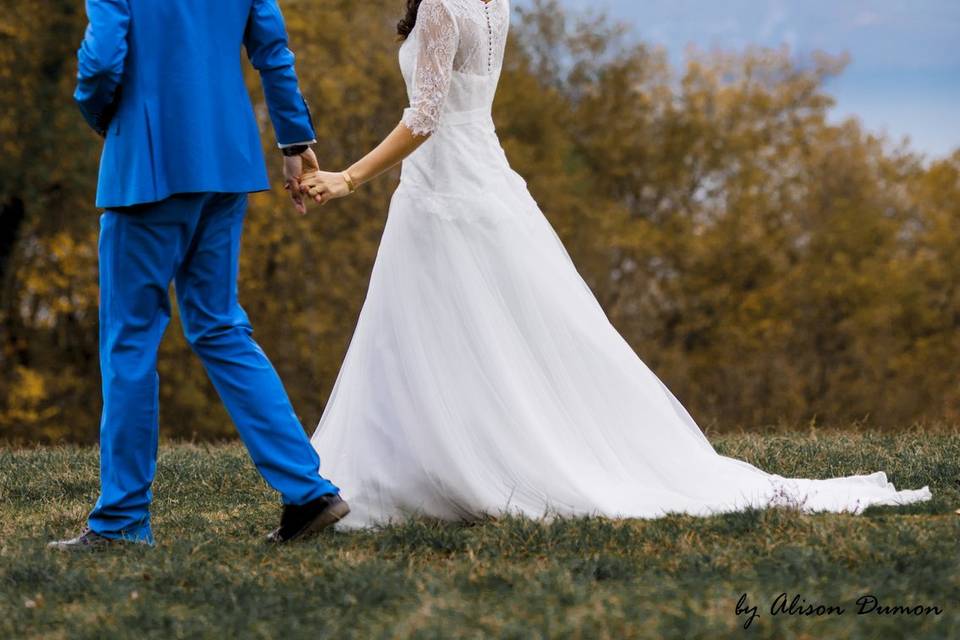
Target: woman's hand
x=324, y=186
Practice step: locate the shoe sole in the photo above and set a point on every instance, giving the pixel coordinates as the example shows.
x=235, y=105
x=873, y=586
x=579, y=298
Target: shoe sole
x=331, y=515
x=95, y=548
x=80, y=548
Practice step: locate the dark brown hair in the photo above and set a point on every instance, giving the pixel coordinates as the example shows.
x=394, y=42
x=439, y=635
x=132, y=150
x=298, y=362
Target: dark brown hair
x=405, y=26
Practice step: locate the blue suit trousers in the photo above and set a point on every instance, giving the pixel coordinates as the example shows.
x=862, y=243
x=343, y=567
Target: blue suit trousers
x=192, y=240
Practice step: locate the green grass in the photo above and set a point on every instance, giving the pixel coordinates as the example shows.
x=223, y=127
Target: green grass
x=677, y=577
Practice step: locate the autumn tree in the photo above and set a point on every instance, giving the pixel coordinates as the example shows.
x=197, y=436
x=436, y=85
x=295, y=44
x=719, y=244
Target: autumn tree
x=771, y=266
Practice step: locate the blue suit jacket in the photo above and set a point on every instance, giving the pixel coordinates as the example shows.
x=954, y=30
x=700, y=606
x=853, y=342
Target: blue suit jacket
x=162, y=80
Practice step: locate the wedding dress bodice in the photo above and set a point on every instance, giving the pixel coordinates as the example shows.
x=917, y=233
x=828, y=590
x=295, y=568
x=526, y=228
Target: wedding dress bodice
x=452, y=60
x=451, y=64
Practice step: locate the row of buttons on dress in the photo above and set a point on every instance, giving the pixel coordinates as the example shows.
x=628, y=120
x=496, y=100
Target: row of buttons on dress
x=486, y=9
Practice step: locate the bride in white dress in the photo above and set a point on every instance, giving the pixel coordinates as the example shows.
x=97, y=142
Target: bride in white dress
x=483, y=377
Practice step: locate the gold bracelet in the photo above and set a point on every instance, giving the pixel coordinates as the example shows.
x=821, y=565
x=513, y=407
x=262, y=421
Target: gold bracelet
x=350, y=183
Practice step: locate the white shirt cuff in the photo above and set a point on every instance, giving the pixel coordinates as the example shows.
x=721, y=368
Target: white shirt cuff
x=294, y=144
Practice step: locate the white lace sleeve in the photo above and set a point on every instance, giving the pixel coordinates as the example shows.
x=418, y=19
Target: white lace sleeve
x=437, y=40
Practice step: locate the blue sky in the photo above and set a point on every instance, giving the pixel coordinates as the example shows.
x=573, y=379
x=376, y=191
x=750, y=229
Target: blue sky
x=904, y=74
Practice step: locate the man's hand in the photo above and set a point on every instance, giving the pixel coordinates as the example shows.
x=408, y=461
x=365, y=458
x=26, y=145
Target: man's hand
x=294, y=168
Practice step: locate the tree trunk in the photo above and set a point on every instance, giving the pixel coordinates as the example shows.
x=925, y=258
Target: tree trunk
x=11, y=218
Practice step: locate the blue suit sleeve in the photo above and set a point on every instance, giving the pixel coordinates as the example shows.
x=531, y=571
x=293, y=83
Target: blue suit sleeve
x=266, y=43
x=101, y=61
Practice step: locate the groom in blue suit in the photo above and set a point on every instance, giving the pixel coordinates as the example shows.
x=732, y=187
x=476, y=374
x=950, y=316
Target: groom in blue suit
x=162, y=82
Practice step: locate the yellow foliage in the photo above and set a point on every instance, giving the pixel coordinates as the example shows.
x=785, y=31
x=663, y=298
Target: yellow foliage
x=771, y=266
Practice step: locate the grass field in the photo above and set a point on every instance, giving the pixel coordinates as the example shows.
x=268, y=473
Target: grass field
x=210, y=575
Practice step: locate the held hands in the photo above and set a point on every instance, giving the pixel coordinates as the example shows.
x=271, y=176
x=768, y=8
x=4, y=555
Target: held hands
x=294, y=169
x=324, y=186
x=302, y=176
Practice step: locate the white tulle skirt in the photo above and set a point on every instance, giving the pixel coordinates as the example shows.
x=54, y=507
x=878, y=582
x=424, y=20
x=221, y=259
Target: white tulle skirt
x=484, y=378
